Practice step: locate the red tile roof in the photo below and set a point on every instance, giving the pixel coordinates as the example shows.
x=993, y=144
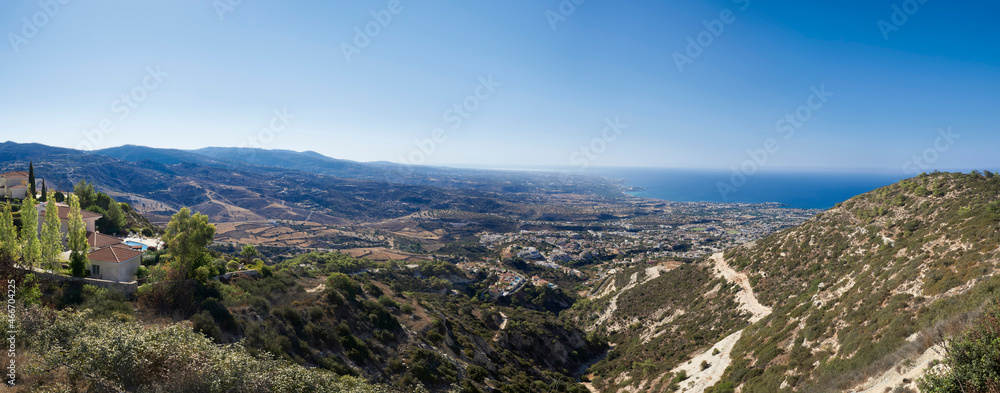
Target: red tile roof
x=14, y=174
x=100, y=240
x=64, y=212
x=114, y=254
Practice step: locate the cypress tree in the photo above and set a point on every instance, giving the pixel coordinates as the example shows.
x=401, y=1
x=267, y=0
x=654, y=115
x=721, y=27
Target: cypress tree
x=45, y=193
x=31, y=178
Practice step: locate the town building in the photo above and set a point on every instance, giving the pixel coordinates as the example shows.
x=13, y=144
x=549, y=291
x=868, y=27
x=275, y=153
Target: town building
x=14, y=185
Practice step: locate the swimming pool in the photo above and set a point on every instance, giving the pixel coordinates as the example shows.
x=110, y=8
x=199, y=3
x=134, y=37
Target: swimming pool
x=131, y=243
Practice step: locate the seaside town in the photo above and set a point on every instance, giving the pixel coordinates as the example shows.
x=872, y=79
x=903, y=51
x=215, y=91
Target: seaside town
x=680, y=232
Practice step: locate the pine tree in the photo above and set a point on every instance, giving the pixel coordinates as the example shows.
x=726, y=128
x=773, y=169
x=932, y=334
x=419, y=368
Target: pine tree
x=45, y=193
x=8, y=233
x=30, y=247
x=187, y=237
x=51, y=236
x=85, y=191
x=31, y=179
x=77, y=238
x=116, y=217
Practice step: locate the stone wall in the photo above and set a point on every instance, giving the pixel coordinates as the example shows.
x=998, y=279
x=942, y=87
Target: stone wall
x=128, y=288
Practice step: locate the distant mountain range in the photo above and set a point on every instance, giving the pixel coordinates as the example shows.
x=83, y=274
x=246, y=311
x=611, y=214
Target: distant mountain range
x=240, y=184
x=312, y=162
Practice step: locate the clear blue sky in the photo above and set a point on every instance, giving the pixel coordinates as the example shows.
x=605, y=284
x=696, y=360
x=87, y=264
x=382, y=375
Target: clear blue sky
x=557, y=88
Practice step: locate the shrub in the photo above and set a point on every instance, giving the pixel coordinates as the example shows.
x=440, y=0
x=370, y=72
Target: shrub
x=202, y=273
x=343, y=283
x=204, y=323
x=142, y=273
x=477, y=373
x=260, y=304
x=388, y=302
x=78, y=264
x=266, y=271
x=973, y=360
x=125, y=356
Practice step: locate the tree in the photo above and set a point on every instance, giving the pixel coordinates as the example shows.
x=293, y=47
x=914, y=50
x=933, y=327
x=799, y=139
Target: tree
x=116, y=217
x=8, y=234
x=51, y=243
x=248, y=253
x=30, y=247
x=85, y=191
x=77, y=232
x=60, y=197
x=31, y=178
x=45, y=193
x=187, y=236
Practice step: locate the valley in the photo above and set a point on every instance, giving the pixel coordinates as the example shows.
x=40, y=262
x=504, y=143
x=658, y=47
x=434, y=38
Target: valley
x=471, y=289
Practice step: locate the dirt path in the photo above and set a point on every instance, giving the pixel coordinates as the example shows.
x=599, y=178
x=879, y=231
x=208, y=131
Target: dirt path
x=892, y=378
x=698, y=379
x=746, y=296
x=503, y=325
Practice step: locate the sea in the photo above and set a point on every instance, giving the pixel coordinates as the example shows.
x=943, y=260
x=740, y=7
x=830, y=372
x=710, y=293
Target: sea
x=792, y=189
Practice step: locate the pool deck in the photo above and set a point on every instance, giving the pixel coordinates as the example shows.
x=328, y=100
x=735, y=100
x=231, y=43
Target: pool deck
x=146, y=241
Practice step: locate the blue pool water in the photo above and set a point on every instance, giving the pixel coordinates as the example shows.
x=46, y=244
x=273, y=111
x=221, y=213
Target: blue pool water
x=144, y=247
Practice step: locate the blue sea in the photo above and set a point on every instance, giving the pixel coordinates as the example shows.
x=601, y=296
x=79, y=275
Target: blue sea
x=798, y=190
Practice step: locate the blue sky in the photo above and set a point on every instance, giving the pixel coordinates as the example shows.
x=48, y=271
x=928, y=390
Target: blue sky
x=275, y=75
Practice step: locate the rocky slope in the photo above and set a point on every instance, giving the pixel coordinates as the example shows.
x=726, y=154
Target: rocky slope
x=861, y=295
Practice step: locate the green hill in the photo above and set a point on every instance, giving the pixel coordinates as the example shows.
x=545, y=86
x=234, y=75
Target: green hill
x=860, y=293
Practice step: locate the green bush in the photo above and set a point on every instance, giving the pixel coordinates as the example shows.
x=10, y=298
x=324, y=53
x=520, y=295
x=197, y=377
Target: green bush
x=477, y=373
x=204, y=323
x=142, y=273
x=973, y=360
x=110, y=355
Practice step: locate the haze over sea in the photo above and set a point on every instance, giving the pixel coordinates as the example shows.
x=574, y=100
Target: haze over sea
x=794, y=189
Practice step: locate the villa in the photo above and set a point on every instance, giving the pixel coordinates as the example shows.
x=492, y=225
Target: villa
x=14, y=185
x=110, y=258
x=117, y=262
x=89, y=218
